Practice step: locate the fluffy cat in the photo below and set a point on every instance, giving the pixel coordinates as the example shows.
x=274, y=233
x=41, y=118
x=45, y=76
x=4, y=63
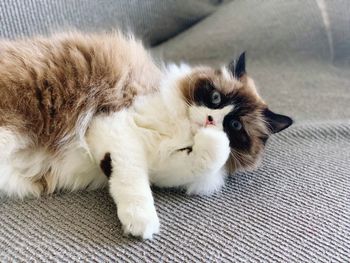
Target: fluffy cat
x=83, y=110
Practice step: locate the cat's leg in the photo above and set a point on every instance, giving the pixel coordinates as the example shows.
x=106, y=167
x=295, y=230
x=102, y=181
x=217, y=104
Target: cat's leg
x=13, y=182
x=199, y=168
x=130, y=188
x=123, y=159
x=211, y=150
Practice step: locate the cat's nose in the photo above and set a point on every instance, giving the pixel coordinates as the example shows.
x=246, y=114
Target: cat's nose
x=209, y=120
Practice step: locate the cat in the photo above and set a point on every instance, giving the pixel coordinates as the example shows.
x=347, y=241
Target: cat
x=80, y=111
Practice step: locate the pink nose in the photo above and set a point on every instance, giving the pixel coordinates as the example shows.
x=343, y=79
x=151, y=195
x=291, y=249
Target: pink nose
x=209, y=120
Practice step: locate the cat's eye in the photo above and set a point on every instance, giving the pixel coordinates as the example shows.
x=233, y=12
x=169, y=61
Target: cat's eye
x=215, y=97
x=236, y=125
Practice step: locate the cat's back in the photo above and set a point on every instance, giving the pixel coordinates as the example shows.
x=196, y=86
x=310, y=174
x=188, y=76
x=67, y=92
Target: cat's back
x=50, y=86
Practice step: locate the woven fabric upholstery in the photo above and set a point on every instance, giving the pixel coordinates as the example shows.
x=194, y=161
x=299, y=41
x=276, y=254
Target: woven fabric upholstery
x=295, y=208
x=152, y=20
x=297, y=51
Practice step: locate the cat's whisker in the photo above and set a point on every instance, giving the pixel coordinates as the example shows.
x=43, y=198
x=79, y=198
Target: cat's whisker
x=242, y=158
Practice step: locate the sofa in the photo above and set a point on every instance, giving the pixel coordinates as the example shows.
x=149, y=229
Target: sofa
x=294, y=208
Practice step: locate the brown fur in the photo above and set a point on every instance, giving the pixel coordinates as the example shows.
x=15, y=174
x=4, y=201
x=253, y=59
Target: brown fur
x=51, y=87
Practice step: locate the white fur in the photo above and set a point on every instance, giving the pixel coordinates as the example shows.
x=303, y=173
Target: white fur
x=11, y=183
x=144, y=142
x=21, y=167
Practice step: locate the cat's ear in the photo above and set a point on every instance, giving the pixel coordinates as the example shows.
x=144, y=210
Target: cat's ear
x=277, y=122
x=237, y=67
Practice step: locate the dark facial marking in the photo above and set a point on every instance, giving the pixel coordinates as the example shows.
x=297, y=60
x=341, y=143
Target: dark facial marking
x=244, y=104
x=236, y=133
x=206, y=94
x=106, y=165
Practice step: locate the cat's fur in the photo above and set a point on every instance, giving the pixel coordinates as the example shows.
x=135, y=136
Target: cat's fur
x=78, y=111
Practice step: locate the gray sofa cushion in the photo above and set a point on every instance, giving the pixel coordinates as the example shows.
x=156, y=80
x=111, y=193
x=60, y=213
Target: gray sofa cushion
x=298, y=51
x=152, y=20
x=295, y=208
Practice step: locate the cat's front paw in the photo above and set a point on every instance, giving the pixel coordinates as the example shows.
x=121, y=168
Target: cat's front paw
x=213, y=146
x=139, y=220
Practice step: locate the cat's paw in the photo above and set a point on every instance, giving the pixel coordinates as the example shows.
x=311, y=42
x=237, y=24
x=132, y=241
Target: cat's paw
x=138, y=220
x=213, y=146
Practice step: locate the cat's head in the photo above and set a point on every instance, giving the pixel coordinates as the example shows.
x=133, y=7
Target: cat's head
x=228, y=98
x=250, y=123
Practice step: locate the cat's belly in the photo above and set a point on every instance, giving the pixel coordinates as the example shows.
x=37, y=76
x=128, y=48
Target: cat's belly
x=74, y=169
